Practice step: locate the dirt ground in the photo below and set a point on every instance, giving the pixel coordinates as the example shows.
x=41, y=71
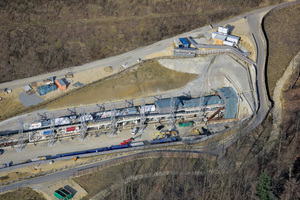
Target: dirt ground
x=143, y=81
x=84, y=77
x=167, y=52
x=22, y=193
x=10, y=103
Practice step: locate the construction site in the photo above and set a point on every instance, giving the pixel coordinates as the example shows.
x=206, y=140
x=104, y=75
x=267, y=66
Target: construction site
x=222, y=95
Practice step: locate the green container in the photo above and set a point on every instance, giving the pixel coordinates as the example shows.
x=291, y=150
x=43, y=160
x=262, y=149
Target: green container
x=185, y=124
x=63, y=194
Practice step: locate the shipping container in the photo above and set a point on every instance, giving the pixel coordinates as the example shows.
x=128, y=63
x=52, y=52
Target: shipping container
x=223, y=30
x=42, y=90
x=228, y=43
x=48, y=132
x=39, y=158
x=233, y=39
x=70, y=129
x=119, y=147
x=185, y=124
x=159, y=141
x=137, y=144
x=62, y=121
x=61, y=83
x=184, y=42
x=35, y=125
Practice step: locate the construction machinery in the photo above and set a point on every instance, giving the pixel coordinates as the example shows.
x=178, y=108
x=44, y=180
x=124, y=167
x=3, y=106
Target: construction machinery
x=127, y=141
x=165, y=134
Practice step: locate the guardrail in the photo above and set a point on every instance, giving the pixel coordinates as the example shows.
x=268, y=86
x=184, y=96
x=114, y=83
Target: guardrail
x=224, y=50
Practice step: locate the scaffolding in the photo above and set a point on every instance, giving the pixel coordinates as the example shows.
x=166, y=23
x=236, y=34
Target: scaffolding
x=101, y=107
x=20, y=136
x=189, y=94
x=52, y=133
x=72, y=111
x=172, y=114
x=129, y=103
x=201, y=106
x=83, y=128
x=143, y=115
x=113, y=120
x=43, y=116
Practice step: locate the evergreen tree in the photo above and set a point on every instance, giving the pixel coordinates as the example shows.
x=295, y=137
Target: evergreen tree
x=264, y=187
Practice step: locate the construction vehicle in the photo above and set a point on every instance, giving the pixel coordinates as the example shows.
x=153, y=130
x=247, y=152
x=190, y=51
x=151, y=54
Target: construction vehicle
x=157, y=136
x=203, y=131
x=126, y=141
x=171, y=133
x=164, y=134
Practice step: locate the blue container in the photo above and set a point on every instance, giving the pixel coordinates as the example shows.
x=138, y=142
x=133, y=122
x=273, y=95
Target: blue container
x=42, y=90
x=48, y=132
x=119, y=146
x=184, y=42
x=159, y=141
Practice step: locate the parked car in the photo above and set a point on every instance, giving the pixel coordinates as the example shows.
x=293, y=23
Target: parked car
x=1, y=151
x=135, y=130
x=158, y=128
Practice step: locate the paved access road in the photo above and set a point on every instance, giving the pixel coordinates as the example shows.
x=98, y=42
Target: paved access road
x=69, y=172
x=49, y=177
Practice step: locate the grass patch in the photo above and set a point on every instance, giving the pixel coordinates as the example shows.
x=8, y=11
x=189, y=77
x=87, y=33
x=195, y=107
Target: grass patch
x=22, y=193
x=145, y=80
x=282, y=31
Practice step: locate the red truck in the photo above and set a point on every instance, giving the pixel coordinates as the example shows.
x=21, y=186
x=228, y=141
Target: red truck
x=126, y=141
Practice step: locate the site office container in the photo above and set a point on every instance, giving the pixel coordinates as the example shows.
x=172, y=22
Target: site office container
x=61, y=84
x=184, y=42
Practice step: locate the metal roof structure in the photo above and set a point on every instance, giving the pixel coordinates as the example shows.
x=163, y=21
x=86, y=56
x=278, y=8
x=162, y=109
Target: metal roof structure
x=231, y=101
x=208, y=100
x=163, y=105
x=233, y=39
x=184, y=52
x=220, y=37
x=27, y=88
x=61, y=82
x=42, y=90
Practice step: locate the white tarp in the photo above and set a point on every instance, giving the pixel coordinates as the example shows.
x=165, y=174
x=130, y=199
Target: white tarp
x=61, y=121
x=149, y=108
x=35, y=125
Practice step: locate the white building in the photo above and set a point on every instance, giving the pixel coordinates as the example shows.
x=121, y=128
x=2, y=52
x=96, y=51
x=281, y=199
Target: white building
x=233, y=39
x=223, y=30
